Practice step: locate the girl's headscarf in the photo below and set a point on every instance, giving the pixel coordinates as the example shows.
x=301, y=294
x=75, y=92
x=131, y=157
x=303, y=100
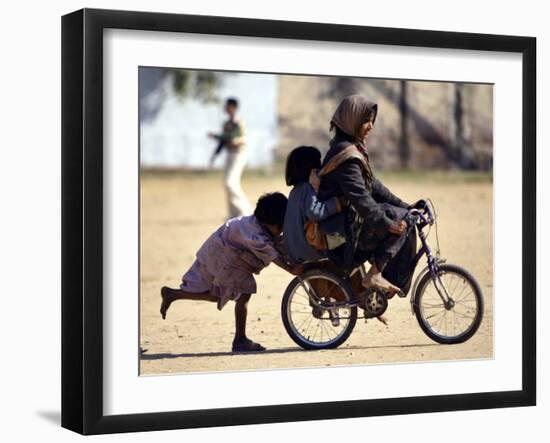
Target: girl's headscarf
x=351, y=113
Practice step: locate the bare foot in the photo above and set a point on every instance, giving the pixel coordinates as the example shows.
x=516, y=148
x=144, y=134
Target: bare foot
x=166, y=301
x=247, y=345
x=379, y=282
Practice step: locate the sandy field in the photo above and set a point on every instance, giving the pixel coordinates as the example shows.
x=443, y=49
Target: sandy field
x=180, y=210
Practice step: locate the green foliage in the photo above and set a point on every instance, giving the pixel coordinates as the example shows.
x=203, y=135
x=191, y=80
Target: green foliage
x=201, y=85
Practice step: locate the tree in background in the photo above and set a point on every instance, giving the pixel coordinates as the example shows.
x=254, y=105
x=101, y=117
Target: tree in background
x=459, y=151
x=404, y=147
x=156, y=84
x=201, y=85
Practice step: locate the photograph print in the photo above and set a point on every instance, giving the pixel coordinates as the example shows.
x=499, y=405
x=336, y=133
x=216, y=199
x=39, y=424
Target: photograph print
x=302, y=221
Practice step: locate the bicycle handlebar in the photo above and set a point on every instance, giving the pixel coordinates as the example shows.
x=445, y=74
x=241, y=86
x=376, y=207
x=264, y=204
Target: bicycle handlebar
x=424, y=214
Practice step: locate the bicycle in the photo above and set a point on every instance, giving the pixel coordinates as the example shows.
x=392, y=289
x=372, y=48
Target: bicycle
x=319, y=308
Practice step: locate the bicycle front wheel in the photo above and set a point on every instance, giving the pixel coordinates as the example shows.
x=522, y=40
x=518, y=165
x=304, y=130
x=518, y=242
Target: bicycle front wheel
x=446, y=324
x=315, y=310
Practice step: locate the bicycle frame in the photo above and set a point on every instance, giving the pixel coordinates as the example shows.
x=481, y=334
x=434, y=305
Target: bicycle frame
x=420, y=220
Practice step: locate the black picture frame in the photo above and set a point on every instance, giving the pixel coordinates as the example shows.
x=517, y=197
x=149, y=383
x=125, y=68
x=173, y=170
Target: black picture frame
x=82, y=220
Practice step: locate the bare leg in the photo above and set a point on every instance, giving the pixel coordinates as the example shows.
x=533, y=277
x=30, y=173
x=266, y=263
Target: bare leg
x=374, y=279
x=170, y=295
x=241, y=312
x=382, y=319
x=241, y=343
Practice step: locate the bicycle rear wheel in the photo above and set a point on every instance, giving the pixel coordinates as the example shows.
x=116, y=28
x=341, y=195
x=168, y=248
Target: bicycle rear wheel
x=449, y=325
x=315, y=310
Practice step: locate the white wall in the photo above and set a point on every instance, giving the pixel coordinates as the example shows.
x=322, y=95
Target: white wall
x=30, y=218
x=176, y=135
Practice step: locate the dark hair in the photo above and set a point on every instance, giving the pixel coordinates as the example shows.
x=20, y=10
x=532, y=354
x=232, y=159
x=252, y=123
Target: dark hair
x=271, y=209
x=232, y=101
x=373, y=113
x=299, y=164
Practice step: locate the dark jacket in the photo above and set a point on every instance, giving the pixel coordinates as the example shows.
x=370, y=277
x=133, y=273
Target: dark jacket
x=367, y=199
x=303, y=205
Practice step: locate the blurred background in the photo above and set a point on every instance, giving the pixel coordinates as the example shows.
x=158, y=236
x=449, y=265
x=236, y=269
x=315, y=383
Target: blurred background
x=421, y=125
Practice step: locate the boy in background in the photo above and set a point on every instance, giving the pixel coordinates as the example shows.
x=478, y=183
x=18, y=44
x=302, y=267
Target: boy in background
x=233, y=140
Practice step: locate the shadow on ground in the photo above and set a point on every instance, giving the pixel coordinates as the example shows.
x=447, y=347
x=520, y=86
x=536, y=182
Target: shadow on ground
x=54, y=417
x=161, y=356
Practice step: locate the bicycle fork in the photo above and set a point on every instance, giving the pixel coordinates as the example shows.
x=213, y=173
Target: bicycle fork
x=432, y=268
x=448, y=302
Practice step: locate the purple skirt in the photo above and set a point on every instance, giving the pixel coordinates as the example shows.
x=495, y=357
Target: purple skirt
x=225, y=270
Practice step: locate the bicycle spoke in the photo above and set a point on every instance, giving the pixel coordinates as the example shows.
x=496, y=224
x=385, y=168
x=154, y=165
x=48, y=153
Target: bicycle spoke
x=436, y=296
x=458, y=281
x=454, y=324
x=463, y=326
x=463, y=315
x=308, y=326
x=300, y=307
x=462, y=291
x=327, y=330
x=460, y=322
x=303, y=323
x=465, y=302
x=315, y=333
x=443, y=317
x=319, y=326
x=435, y=315
x=451, y=278
x=464, y=296
x=335, y=329
x=449, y=324
x=304, y=296
x=425, y=306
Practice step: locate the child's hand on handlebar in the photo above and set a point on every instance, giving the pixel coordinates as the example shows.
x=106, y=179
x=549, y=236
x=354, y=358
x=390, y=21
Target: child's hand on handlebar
x=398, y=227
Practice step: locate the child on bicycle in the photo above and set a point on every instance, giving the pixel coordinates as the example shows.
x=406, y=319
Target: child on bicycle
x=225, y=264
x=302, y=172
x=302, y=166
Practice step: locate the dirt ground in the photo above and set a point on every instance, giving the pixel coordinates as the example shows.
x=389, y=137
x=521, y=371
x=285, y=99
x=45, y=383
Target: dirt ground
x=180, y=210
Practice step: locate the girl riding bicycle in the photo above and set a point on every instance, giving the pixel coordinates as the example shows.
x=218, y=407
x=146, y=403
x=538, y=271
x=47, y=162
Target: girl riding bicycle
x=378, y=231
x=319, y=308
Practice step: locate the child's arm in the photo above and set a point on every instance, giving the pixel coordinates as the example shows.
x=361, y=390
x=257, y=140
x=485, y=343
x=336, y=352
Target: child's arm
x=219, y=148
x=293, y=269
x=316, y=210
